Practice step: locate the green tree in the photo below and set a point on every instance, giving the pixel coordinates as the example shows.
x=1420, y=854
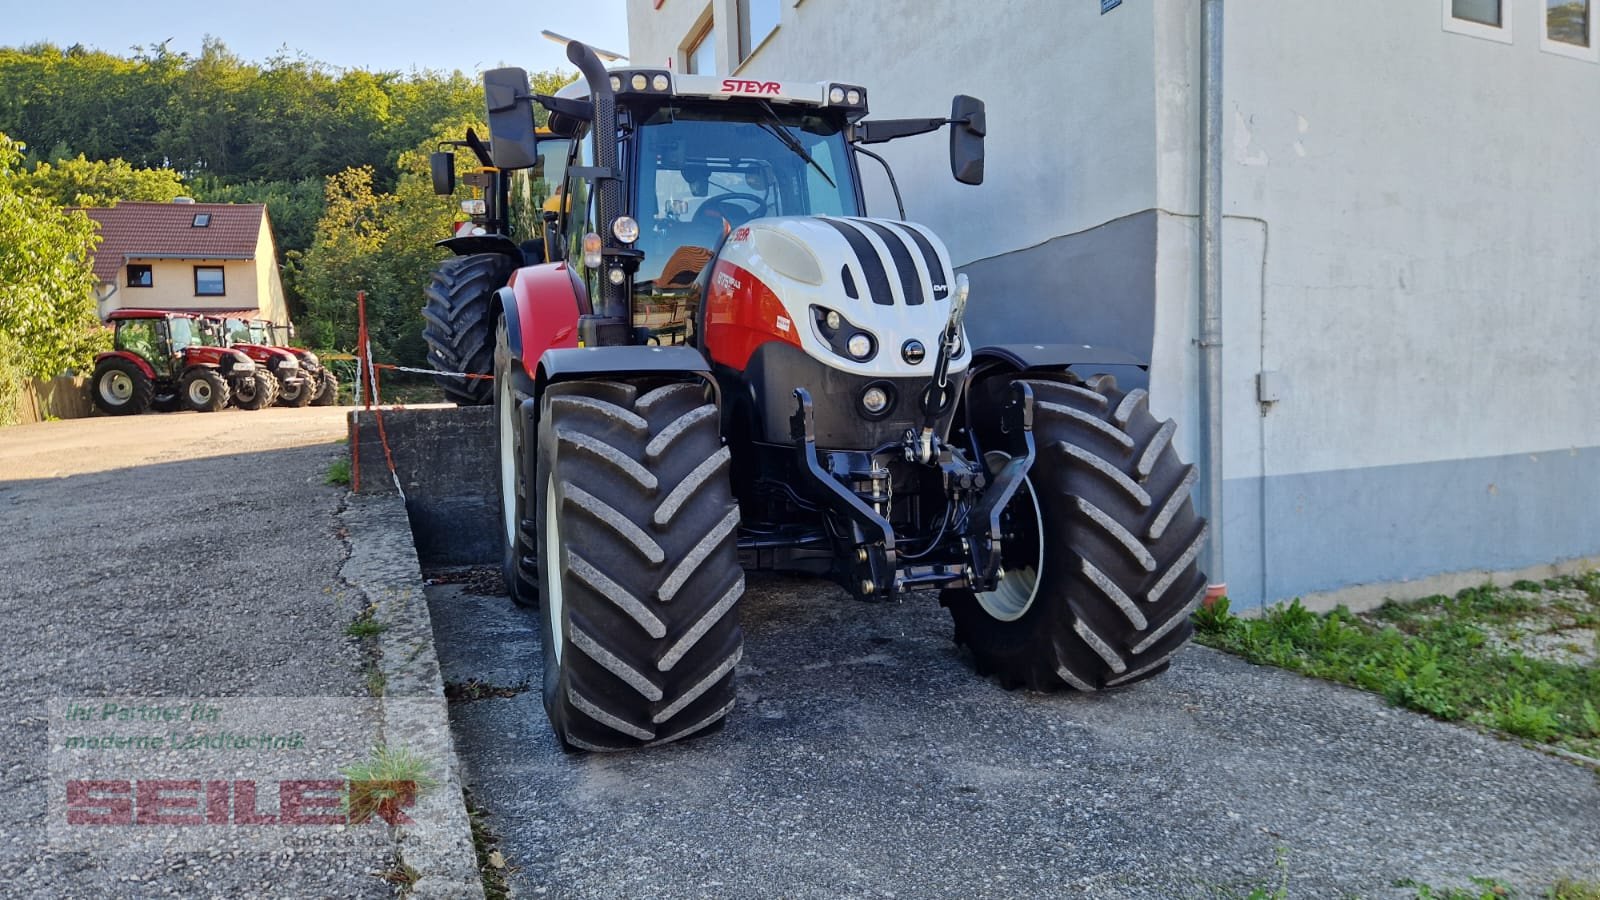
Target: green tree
x=48, y=315
x=84, y=182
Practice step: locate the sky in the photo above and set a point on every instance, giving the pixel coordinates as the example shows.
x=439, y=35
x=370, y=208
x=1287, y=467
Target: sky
x=396, y=35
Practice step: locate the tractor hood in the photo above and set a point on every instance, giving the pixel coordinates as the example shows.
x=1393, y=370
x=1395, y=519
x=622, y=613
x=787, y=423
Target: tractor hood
x=264, y=354
x=780, y=278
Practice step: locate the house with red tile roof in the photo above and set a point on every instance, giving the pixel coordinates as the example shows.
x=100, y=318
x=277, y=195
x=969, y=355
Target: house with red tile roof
x=213, y=258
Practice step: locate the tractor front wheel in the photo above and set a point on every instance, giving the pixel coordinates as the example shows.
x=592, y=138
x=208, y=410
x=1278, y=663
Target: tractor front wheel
x=297, y=395
x=638, y=569
x=1099, y=572
x=327, y=390
x=518, y=563
x=203, y=390
x=120, y=388
x=256, y=391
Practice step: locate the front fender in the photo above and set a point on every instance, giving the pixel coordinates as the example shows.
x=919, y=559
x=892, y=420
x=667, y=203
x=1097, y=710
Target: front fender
x=541, y=305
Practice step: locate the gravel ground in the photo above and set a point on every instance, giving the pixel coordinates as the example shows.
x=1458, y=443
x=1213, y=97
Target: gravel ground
x=866, y=760
x=177, y=556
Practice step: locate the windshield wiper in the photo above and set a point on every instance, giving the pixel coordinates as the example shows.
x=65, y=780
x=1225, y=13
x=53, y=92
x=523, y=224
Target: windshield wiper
x=777, y=129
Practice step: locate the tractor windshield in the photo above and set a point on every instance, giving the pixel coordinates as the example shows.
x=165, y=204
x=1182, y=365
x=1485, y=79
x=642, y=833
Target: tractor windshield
x=702, y=172
x=183, y=333
x=238, y=331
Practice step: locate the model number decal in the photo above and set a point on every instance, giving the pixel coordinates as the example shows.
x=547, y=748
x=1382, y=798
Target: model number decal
x=743, y=86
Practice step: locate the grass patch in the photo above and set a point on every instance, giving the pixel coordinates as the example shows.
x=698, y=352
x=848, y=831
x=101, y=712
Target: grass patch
x=338, y=472
x=365, y=627
x=389, y=779
x=1455, y=658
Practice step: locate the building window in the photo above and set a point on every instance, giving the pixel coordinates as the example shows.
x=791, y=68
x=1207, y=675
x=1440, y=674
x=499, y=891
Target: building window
x=1569, y=29
x=202, y=220
x=208, y=281
x=700, y=54
x=140, y=276
x=757, y=20
x=1488, y=19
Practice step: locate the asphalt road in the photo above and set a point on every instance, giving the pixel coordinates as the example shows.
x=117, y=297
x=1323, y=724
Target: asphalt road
x=866, y=760
x=175, y=556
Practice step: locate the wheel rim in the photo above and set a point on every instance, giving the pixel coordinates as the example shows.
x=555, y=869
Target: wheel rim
x=550, y=565
x=116, y=388
x=508, y=461
x=1018, y=587
x=199, y=393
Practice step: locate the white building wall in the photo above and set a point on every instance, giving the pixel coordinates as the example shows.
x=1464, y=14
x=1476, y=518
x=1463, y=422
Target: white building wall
x=1070, y=99
x=1413, y=245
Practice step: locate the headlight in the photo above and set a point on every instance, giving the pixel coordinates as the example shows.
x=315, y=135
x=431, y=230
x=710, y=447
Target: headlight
x=312, y=360
x=244, y=366
x=875, y=400
x=833, y=320
x=288, y=364
x=626, y=229
x=859, y=345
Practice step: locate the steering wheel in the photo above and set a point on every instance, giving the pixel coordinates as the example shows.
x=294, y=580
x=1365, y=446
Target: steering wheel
x=716, y=206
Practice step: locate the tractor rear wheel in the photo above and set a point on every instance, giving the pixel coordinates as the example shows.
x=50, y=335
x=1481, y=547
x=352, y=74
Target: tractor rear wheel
x=256, y=392
x=518, y=563
x=459, y=323
x=120, y=388
x=1100, y=573
x=327, y=391
x=296, y=395
x=638, y=569
x=203, y=390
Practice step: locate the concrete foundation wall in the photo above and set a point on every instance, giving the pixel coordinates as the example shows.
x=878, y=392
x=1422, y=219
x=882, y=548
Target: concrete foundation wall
x=444, y=457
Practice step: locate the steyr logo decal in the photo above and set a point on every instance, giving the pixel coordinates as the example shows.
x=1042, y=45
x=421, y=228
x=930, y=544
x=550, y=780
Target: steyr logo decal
x=743, y=86
x=743, y=234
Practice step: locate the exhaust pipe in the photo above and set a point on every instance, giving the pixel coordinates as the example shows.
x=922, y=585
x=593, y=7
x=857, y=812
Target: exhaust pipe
x=608, y=187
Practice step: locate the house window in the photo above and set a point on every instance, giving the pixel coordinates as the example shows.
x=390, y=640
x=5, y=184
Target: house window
x=202, y=220
x=1488, y=19
x=140, y=276
x=208, y=281
x=701, y=56
x=1569, y=29
x=757, y=20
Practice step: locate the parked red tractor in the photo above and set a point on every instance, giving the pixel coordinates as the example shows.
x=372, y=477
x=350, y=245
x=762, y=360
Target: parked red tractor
x=325, y=384
x=289, y=384
x=724, y=364
x=160, y=362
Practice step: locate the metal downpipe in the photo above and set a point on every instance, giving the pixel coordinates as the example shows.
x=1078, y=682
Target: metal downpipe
x=1211, y=22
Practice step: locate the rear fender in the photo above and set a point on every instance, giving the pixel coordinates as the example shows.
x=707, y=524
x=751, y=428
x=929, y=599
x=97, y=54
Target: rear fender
x=1084, y=360
x=469, y=244
x=134, y=358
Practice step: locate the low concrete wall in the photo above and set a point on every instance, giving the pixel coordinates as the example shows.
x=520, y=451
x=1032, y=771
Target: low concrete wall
x=444, y=458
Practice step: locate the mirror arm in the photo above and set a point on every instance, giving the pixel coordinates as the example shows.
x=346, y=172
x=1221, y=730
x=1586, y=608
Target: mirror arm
x=899, y=204
x=565, y=106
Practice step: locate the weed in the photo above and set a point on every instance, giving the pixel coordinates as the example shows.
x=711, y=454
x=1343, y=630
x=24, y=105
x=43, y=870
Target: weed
x=492, y=867
x=402, y=875
x=1281, y=892
x=390, y=777
x=1566, y=889
x=365, y=627
x=338, y=472
x=376, y=681
x=1482, y=889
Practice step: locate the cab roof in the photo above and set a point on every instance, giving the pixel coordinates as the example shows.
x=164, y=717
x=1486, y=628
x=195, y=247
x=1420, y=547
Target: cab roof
x=636, y=83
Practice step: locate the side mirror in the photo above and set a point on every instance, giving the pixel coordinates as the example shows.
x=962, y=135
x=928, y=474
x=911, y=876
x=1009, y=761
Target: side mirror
x=442, y=166
x=291, y=331
x=968, y=125
x=512, y=142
